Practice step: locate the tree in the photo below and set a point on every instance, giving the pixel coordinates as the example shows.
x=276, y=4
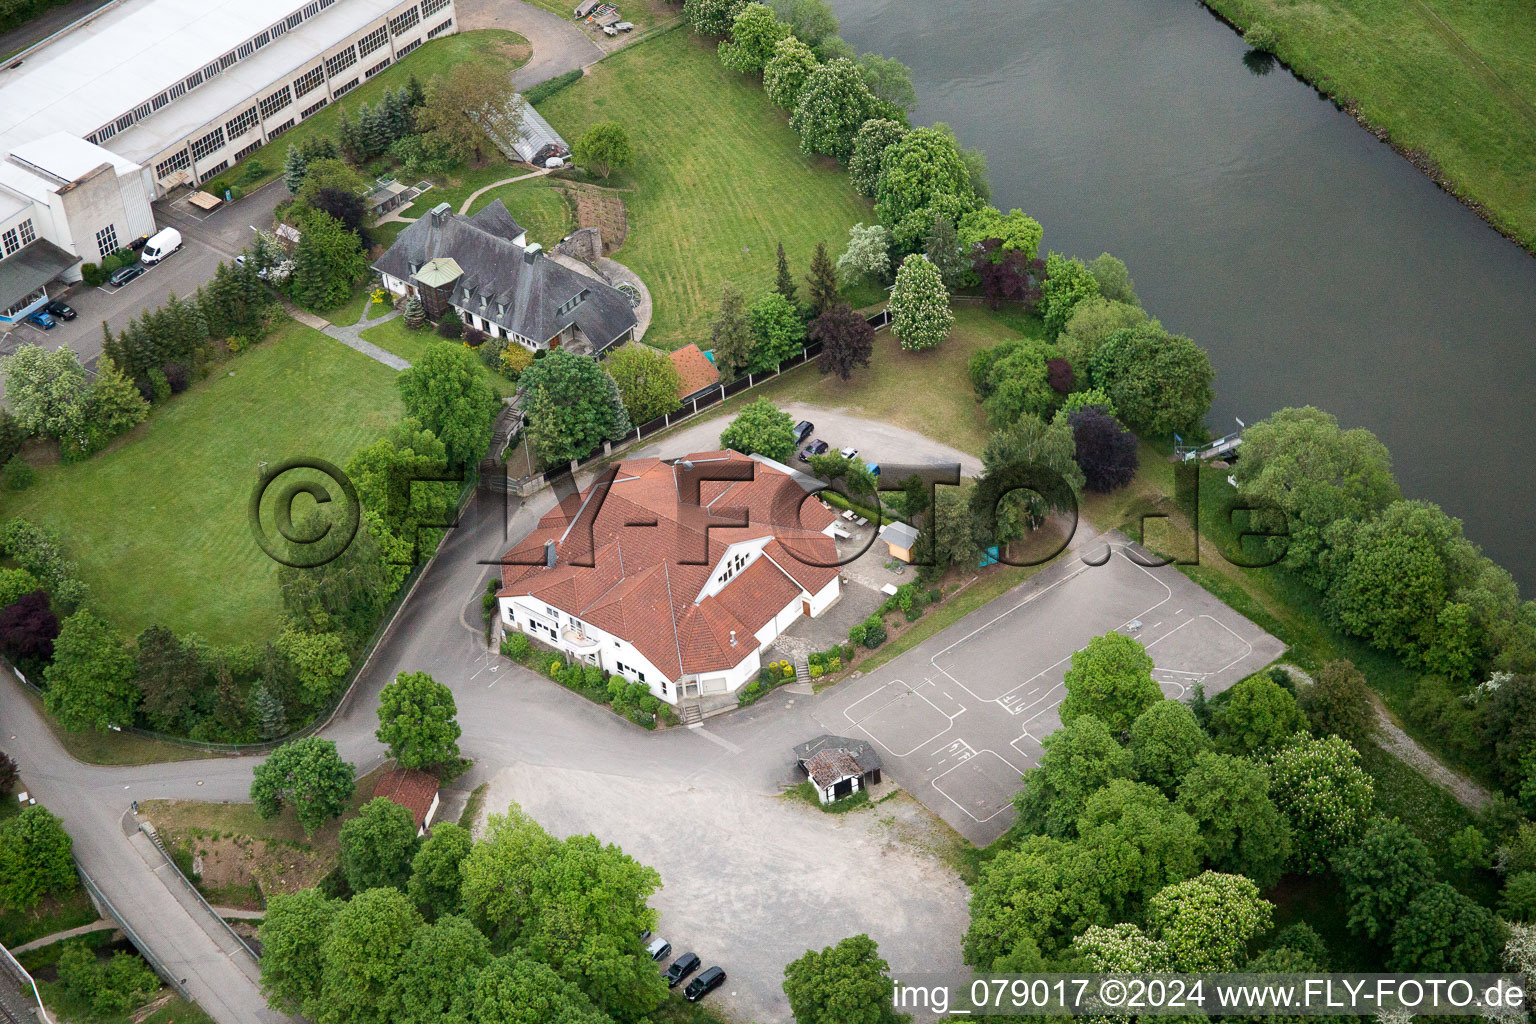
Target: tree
x=868, y=256
x=1067, y=284
x=915, y=172
x=731, y=336
x=761, y=428
x=47, y=391
x=9, y=774
x=848, y=983
x=445, y=390
x=1159, y=382
x=778, y=330
x=755, y=34
x=711, y=17
x=28, y=628
x=90, y=681
x=847, y=340
x=364, y=954
x=1014, y=231
x=1078, y=759
x=833, y=103
x=920, y=313
x=436, y=984
x=417, y=723
x=1325, y=795
x=415, y=313
x=943, y=249
x=293, y=935
x=1030, y=901
x=1165, y=742
x=1442, y=930
x=1259, y=715
x=957, y=536
x=1092, y=322
x=1243, y=831
x=1381, y=873
x=34, y=859
x=399, y=481
x=785, y=74
x=1114, y=279
x=604, y=148
x=1141, y=842
x=784, y=281
x=1208, y=921
x=435, y=879
x=294, y=169
x=889, y=80
x=515, y=989
x=271, y=716
x=1518, y=901
x=1011, y=379
x=1110, y=679
x=328, y=262
x=318, y=660
x=647, y=379
x=1339, y=703
x=307, y=774
x=810, y=20
x=575, y=406
x=821, y=282
x=1106, y=451
x=170, y=674
x=109, y=987
x=16, y=584
x=113, y=406
x=463, y=104
x=1121, y=948
x=867, y=159
x=1028, y=474
x=377, y=846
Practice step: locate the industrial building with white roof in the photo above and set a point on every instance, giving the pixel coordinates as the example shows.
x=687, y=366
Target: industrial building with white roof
x=142, y=97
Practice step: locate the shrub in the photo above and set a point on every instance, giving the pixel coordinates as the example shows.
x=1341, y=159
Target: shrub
x=160, y=388
x=856, y=634
x=516, y=646
x=450, y=326
x=92, y=274
x=1261, y=37
x=17, y=475
x=751, y=692
x=178, y=376
x=817, y=671
x=474, y=338
x=544, y=90
x=874, y=632
x=109, y=263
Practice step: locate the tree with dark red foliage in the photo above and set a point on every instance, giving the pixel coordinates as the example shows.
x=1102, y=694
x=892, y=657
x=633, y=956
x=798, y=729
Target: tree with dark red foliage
x=28, y=628
x=1006, y=273
x=178, y=376
x=1106, y=451
x=9, y=773
x=846, y=340
x=343, y=205
x=1059, y=375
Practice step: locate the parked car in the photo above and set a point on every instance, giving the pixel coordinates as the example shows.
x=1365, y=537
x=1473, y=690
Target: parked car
x=122, y=275
x=41, y=318
x=658, y=948
x=848, y=453
x=814, y=448
x=704, y=984
x=803, y=430
x=625, y=26
x=681, y=968
x=160, y=246
x=61, y=309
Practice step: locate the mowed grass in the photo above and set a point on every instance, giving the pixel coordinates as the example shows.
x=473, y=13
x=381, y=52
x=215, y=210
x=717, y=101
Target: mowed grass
x=393, y=336
x=718, y=179
x=1452, y=79
x=547, y=213
x=158, y=523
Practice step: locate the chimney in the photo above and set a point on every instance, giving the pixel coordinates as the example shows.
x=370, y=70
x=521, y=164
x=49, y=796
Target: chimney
x=733, y=638
x=532, y=253
x=549, y=554
x=440, y=212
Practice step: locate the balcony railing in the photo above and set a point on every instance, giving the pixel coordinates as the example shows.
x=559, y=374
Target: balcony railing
x=576, y=638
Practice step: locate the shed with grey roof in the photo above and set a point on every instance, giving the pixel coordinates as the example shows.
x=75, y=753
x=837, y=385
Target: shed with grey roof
x=838, y=766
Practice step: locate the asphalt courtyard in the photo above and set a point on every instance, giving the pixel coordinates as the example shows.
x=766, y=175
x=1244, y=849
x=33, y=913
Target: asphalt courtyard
x=959, y=718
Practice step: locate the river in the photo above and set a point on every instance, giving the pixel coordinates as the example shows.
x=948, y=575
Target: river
x=1315, y=264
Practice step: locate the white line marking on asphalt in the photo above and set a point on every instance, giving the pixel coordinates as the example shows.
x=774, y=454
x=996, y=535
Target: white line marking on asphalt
x=721, y=740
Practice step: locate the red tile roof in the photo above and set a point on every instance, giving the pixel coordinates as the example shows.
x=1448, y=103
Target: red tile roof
x=410, y=789
x=694, y=367
x=635, y=562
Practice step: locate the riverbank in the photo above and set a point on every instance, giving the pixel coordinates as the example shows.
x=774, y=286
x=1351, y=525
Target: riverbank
x=1450, y=88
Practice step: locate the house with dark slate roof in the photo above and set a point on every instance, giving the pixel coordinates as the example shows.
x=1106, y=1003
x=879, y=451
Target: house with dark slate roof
x=483, y=266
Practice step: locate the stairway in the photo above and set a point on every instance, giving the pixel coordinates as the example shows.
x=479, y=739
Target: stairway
x=692, y=716
x=802, y=671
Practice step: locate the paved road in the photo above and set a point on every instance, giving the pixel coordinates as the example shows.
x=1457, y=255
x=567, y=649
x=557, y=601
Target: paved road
x=45, y=25
x=558, y=44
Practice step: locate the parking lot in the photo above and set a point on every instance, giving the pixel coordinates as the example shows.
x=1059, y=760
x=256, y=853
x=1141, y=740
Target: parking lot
x=959, y=718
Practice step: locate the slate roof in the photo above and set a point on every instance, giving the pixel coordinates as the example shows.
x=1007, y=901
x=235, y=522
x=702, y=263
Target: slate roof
x=861, y=751
x=643, y=582
x=500, y=274
x=412, y=790
x=695, y=369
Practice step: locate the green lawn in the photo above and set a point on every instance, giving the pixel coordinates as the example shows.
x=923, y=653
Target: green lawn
x=547, y=213
x=1454, y=80
x=394, y=336
x=434, y=57
x=158, y=523
x=718, y=179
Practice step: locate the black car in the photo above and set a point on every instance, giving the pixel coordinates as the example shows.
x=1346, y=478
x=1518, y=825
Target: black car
x=803, y=430
x=814, y=448
x=122, y=275
x=681, y=968
x=61, y=309
x=704, y=984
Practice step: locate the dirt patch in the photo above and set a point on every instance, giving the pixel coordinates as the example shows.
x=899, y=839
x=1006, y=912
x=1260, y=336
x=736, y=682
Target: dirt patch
x=602, y=209
x=234, y=868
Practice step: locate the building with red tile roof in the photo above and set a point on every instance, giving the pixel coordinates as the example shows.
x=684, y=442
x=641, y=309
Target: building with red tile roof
x=675, y=575
x=698, y=373
x=415, y=791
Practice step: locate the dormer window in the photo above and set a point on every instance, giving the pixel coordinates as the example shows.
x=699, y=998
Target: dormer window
x=571, y=303
x=733, y=566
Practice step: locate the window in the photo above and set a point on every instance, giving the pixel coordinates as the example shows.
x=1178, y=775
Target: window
x=571, y=303
x=342, y=90
x=408, y=20
x=105, y=132
x=261, y=40
x=310, y=110
x=208, y=144
x=308, y=81
x=247, y=151
x=161, y=100
x=734, y=566
x=273, y=133
x=407, y=48
x=373, y=40
x=339, y=62
x=35, y=297
x=193, y=81
x=431, y=7
x=106, y=241
x=277, y=101
x=444, y=27
x=179, y=89
x=28, y=236
x=215, y=169
x=9, y=242
x=165, y=168
x=241, y=123
x=246, y=49
x=380, y=66
x=141, y=111
x=311, y=9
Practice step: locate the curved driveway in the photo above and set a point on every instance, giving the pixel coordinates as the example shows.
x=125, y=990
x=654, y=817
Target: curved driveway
x=558, y=44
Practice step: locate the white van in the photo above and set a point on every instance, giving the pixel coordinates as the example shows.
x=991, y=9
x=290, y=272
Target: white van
x=164, y=242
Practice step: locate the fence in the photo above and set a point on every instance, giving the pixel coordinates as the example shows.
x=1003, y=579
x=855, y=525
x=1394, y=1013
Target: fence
x=24, y=979
x=154, y=837
x=101, y=901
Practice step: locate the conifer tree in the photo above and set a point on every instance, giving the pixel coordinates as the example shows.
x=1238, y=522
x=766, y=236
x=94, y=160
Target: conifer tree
x=415, y=313
x=271, y=719
x=295, y=166
x=821, y=283
x=350, y=135
x=415, y=95
x=785, y=284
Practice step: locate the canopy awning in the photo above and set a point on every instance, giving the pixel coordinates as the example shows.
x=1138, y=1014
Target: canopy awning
x=24, y=272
